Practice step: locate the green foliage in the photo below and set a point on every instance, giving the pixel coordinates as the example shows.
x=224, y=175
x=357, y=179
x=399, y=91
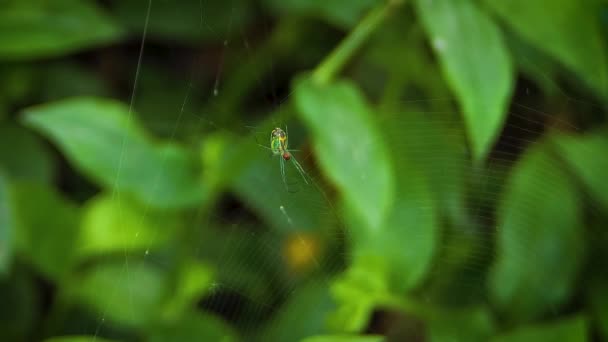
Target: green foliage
x=471, y=324
x=540, y=243
x=77, y=339
x=46, y=229
x=351, y=151
x=6, y=225
x=103, y=140
x=37, y=167
x=571, y=329
x=194, y=327
x=343, y=338
x=109, y=225
x=32, y=29
x=570, y=33
x=358, y=291
x=471, y=63
x=582, y=153
x=454, y=154
x=117, y=289
x=341, y=13
x=303, y=315
x=598, y=300
x=190, y=22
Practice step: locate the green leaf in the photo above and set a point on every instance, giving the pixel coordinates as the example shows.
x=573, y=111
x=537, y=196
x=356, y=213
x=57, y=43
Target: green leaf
x=102, y=139
x=303, y=314
x=535, y=64
x=195, y=326
x=23, y=155
x=408, y=240
x=572, y=329
x=7, y=225
x=344, y=338
x=357, y=291
x=476, y=64
x=349, y=146
x=110, y=225
x=34, y=28
x=193, y=280
x=568, y=30
x=540, y=241
x=586, y=155
x=413, y=218
x=47, y=229
x=343, y=13
x=128, y=295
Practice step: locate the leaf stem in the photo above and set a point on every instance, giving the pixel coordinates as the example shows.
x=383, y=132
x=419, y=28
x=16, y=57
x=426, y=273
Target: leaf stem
x=338, y=58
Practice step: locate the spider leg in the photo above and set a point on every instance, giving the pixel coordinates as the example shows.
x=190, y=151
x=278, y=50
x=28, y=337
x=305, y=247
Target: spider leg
x=300, y=169
x=258, y=142
x=266, y=147
x=282, y=162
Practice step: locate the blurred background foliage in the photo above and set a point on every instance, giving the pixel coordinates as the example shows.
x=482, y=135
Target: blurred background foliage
x=456, y=156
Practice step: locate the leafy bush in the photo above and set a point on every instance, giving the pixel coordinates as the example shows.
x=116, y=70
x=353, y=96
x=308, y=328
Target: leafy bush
x=453, y=158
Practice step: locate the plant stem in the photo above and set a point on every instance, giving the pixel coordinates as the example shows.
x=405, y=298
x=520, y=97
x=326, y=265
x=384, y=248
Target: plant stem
x=336, y=60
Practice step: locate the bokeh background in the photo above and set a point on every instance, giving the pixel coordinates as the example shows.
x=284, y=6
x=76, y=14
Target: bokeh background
x=455, y=157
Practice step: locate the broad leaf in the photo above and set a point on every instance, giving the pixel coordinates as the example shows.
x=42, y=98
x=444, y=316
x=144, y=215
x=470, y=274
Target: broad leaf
x=35, y=28
x=349, y=146
x=568, y=30
x=540, y=238
x=476, y=64
x=102, y=139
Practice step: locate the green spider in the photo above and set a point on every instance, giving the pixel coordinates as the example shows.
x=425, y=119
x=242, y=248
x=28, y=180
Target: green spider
x=278, y=146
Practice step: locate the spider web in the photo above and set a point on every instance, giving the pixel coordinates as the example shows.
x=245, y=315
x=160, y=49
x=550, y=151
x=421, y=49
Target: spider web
x=275, y=252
